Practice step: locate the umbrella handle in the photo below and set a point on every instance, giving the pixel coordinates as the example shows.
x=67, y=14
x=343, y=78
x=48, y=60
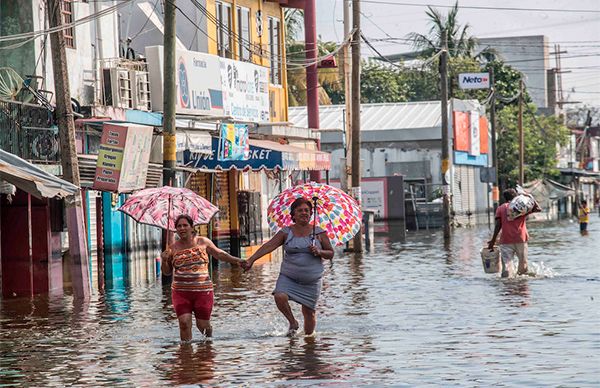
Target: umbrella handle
x=314, y=233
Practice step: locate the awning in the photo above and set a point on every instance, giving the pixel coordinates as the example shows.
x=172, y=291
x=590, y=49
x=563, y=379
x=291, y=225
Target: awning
x=194, y=141
x=32, y=179
x=264, y=154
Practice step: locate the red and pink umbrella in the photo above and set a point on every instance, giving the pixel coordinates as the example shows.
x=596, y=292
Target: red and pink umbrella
x=336, y=212
x=161, y=206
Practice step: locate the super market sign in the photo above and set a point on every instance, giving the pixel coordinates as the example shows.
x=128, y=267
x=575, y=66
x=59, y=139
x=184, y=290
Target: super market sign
x=474, y=81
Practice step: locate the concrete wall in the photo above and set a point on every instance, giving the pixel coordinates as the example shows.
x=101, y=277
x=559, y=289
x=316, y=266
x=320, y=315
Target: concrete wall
x=148, y=31
x=15, y=18
x=81, y=59
x=528, y=54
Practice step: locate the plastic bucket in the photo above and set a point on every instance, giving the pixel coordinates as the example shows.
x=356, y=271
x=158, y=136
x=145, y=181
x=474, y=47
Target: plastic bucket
x=490, y=260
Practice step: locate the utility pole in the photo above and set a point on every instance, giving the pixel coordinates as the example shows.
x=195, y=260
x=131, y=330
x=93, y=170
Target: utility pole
x=170, y=94
x=70, y=165
x=357, y=244
x=521, y=137
x=347, y=166
x=495, y=191
x=445, y=150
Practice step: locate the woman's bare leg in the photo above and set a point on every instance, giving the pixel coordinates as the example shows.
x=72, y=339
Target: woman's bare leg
x=310, y=320
x=185, y=327
x=204, y=327
x=282, y=302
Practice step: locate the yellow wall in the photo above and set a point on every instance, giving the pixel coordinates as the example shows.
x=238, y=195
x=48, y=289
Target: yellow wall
x=277, y=93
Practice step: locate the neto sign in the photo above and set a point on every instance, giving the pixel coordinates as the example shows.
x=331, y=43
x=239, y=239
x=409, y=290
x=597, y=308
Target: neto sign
x=474, y=81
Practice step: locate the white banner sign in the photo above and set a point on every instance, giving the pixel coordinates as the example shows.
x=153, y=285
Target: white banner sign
x=245, y=90
x=474, y=81
x=474, y=145
x=198, y=78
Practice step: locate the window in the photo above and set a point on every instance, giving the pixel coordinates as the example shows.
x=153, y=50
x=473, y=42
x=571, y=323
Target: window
x=67, y=18
x=224, y=30
x=243, y=20
x=275, y=50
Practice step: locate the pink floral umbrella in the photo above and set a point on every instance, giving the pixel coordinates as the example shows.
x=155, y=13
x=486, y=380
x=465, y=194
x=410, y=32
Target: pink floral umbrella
x=161, y=207
x=336, y=212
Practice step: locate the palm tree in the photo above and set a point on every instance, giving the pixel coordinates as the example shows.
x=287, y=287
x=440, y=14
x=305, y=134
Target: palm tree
x=460, y=43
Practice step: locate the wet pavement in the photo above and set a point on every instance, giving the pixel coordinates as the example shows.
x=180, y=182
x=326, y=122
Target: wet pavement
x=409, y=313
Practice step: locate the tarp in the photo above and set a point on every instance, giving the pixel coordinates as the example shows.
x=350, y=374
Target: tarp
x=32, y=179
x=264, y=154
x=546, y=190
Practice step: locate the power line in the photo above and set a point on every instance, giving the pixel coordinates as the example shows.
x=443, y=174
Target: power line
x=485, y=8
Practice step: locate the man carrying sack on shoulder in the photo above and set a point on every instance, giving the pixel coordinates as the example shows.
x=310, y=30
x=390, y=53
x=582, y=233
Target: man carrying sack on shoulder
x=514, y=237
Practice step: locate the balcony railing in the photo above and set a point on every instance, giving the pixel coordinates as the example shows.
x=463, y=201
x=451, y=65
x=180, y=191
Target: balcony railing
x=29, y=132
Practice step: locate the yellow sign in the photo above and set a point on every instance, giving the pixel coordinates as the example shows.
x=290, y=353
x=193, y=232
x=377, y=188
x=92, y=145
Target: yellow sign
x=169, y=147
x=445, y=165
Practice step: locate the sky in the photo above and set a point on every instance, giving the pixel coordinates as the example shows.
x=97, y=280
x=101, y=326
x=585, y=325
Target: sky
x=574, y=24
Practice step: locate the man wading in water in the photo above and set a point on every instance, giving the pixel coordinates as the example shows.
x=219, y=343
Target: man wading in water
x=514, y=237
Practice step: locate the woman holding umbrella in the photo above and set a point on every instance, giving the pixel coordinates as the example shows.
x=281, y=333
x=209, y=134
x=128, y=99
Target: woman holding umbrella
x=192, y=290
x=305, y=246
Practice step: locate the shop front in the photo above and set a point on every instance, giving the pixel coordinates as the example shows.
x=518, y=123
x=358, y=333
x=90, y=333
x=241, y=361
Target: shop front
x=242, y=189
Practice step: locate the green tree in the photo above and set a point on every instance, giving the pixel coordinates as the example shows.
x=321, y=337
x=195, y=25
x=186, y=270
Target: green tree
x=460, y=43
x=541, y=136
x=382, y=84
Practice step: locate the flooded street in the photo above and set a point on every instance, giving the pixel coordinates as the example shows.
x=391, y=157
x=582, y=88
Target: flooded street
x=407, y=314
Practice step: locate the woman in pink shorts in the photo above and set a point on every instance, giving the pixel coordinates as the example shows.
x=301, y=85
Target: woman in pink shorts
x=192, y=290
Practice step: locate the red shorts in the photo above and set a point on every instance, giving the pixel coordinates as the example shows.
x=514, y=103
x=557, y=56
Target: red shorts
x=198, y=302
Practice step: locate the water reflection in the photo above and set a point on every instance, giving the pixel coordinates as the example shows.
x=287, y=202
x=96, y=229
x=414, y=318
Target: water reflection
x=303, y=359
x=413, y=312
x=192, y=364
x=515, y=291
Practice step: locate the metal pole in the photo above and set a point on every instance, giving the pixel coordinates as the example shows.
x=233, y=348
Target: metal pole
x=521, y=137
x=355, y=149
x=170, y=94
x=347, y=99
x=495, y=191
x=312, y=76
x=445, y=150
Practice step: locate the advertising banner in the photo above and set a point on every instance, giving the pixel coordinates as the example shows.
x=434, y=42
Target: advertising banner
x=198, y=80
x=474, y=141
x=123, y=157
x=474, y=81
x=233, y=142
x=245, y=90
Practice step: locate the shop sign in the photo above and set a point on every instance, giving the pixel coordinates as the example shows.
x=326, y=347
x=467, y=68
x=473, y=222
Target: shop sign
x=245, y=90
x=474, y=81
x=123, y=157
x=198, y=81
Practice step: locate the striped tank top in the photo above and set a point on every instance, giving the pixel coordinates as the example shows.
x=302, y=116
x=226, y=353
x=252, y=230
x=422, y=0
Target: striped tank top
x=190, y=270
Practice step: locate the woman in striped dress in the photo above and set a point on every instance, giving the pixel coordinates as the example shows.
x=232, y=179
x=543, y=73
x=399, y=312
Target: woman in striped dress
x=192, y=290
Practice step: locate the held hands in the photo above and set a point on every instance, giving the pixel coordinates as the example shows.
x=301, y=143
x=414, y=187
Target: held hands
x=491, y=245
x=246, y=265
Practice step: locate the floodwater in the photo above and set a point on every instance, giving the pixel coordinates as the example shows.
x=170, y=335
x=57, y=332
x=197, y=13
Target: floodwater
x=410, y=313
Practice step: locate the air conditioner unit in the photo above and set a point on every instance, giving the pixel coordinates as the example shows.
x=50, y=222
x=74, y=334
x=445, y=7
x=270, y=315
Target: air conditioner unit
x=141, y=89
x=117, y=88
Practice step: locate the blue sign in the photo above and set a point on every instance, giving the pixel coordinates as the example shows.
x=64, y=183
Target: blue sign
x=258, y=159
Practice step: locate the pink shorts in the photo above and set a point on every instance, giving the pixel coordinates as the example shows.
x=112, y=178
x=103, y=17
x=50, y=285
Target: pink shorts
x=198, y=302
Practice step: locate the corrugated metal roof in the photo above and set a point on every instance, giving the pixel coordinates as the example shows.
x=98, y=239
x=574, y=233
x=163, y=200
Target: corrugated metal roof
x=387, y=116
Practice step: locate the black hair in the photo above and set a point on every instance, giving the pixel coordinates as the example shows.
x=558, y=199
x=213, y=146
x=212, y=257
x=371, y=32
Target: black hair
x=298, y=202
x=509, y=194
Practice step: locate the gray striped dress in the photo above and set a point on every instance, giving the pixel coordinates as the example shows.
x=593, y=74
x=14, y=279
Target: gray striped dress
x=301, y=271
